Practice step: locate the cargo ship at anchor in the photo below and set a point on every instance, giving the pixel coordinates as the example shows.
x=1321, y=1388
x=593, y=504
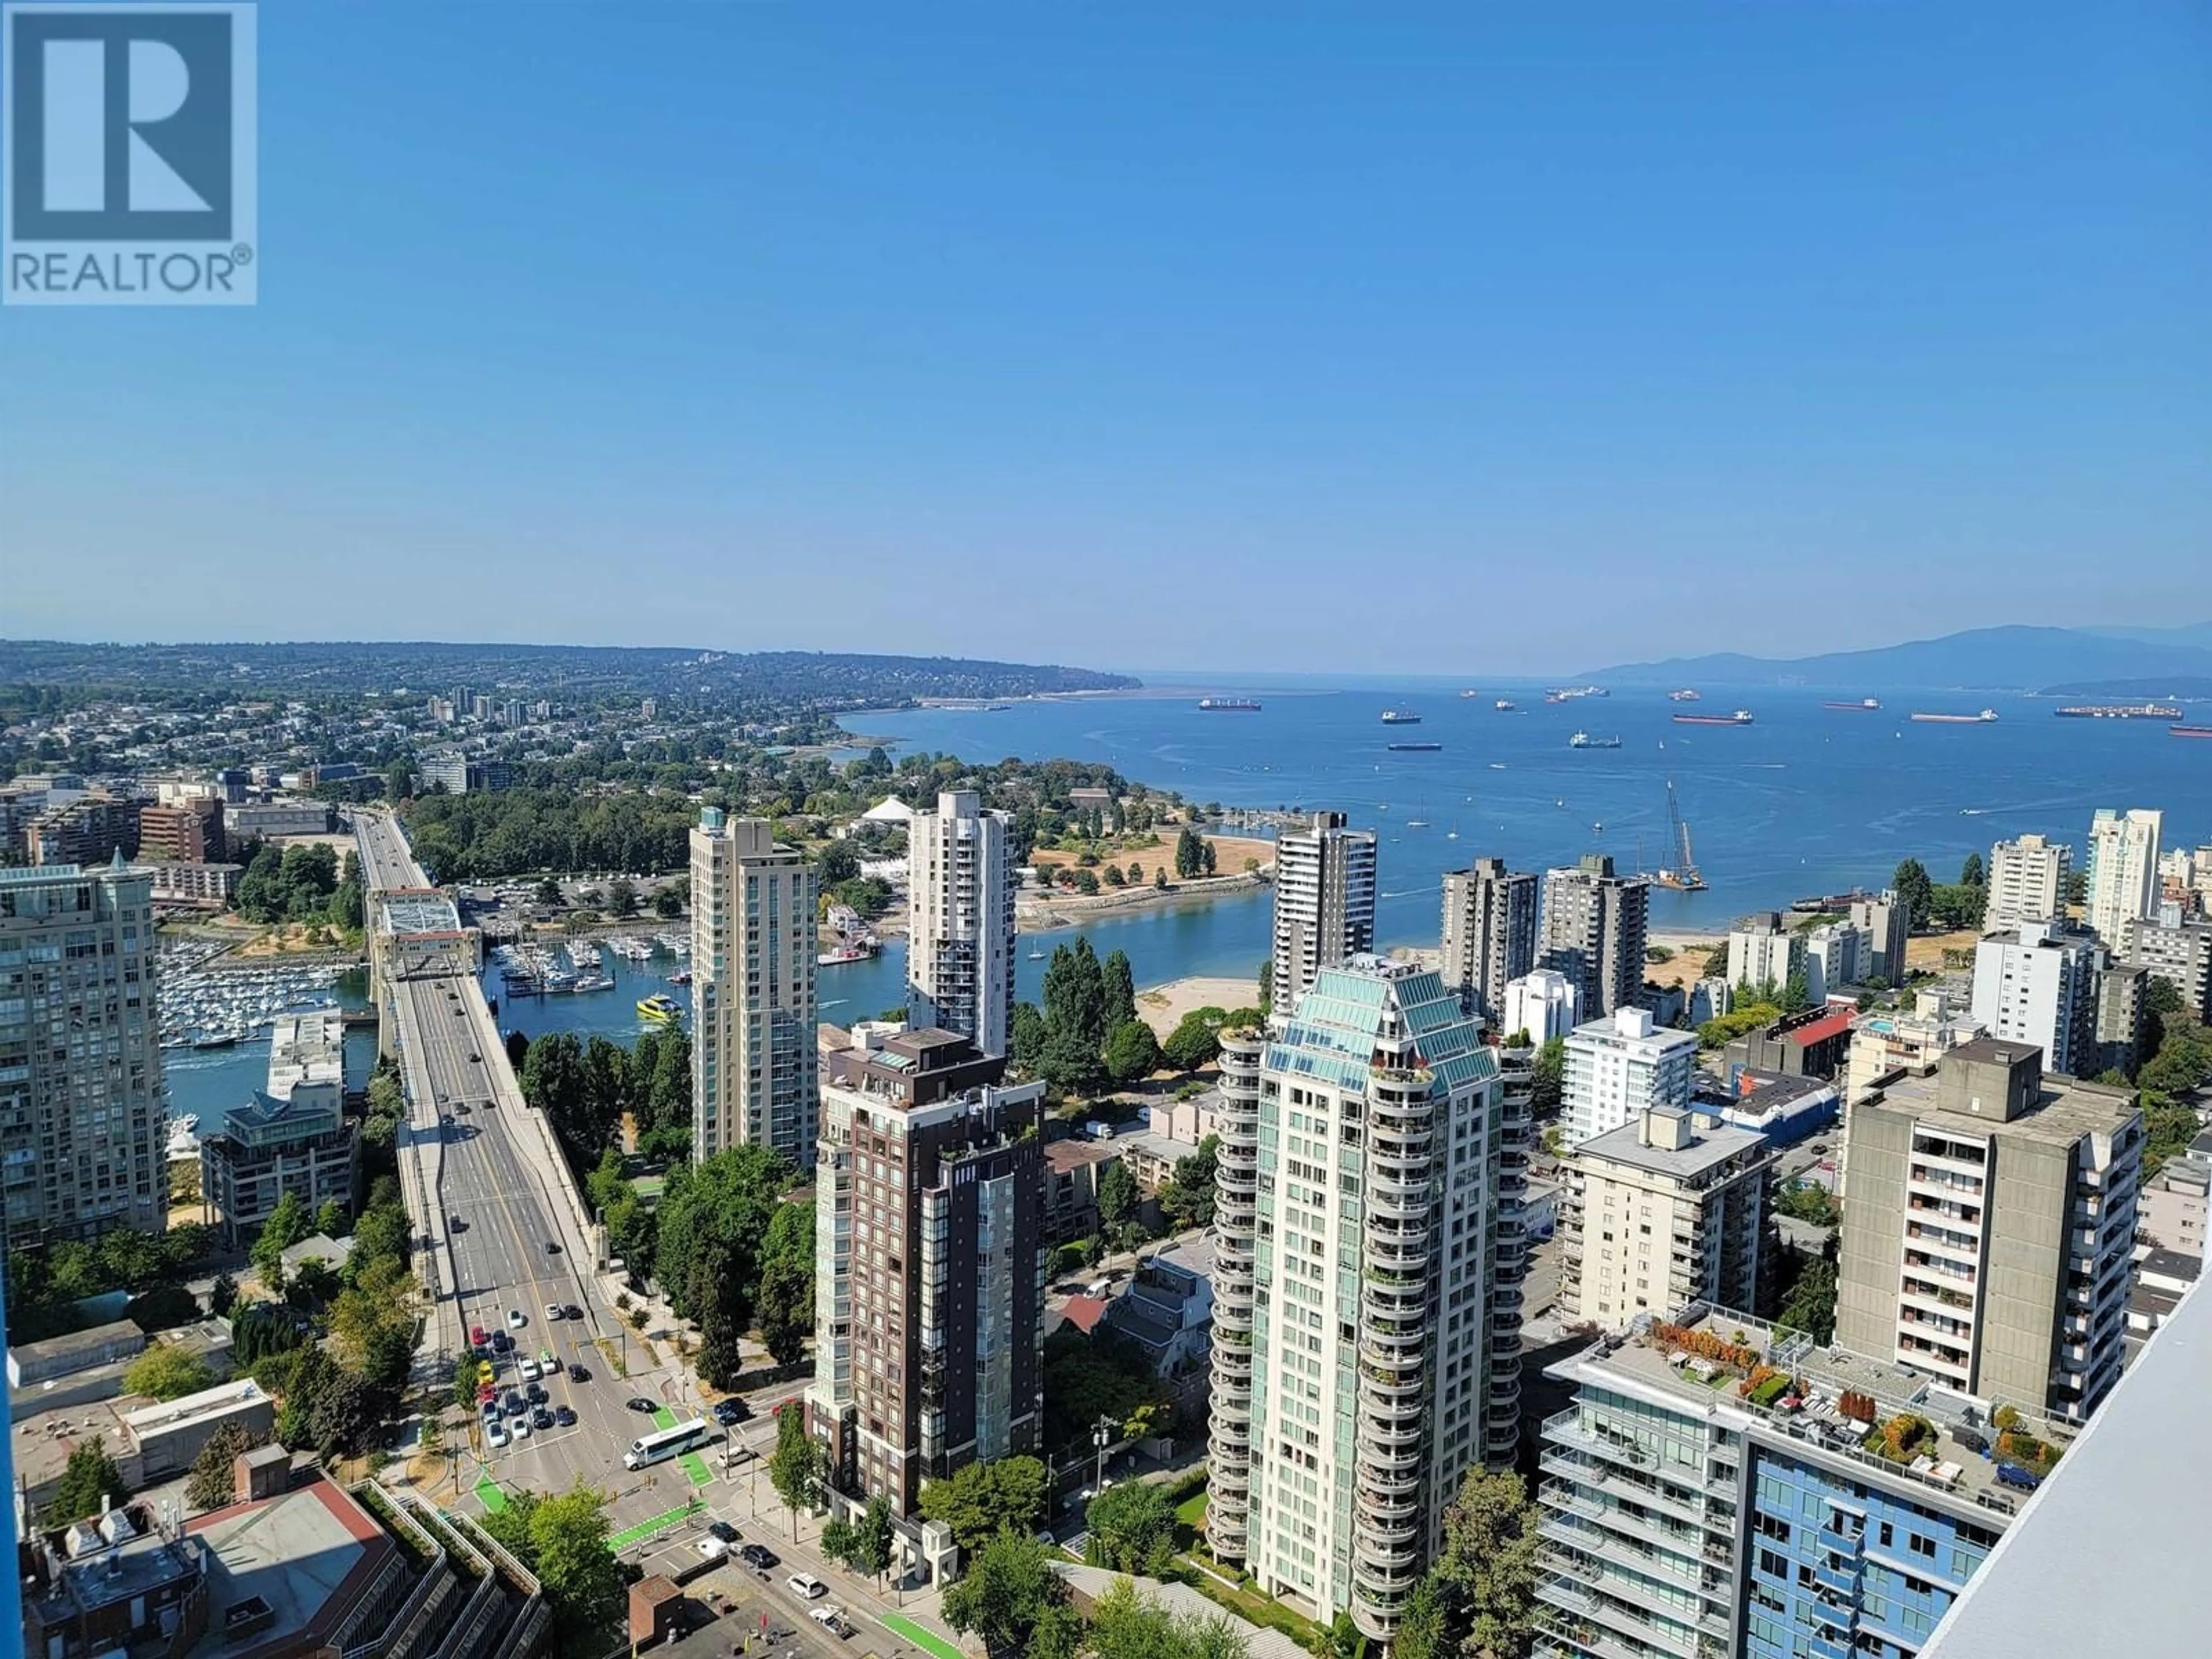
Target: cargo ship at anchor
x=2189, y=731
x=1863, y=705
x=1230, y=705
x=1413, y=748
x=2119, y=711
x=1987, y=717
x=1399, y=717
x=1741, y=717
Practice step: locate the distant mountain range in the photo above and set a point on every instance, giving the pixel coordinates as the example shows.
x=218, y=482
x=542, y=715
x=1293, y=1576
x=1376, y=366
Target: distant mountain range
x=2081, y=660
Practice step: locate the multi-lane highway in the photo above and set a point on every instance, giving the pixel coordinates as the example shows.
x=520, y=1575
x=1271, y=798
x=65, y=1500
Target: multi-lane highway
x=503, y=1234
x=504, y=1237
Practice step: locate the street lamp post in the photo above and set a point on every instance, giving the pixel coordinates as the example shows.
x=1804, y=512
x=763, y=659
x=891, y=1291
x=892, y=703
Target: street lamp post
x=1102, y=1436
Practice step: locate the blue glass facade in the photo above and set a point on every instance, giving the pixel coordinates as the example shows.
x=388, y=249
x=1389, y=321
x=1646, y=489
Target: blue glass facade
x=1837, y=1568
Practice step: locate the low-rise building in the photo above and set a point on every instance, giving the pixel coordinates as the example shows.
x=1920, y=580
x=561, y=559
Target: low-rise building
x=1072, y=1170
x=2172, y=1212
x=278, y=818
x=1167, y=1309
x=1152, y=1158
x=1660, y=1212
x=1811, y=1042
x=1890, y=1041
x=188, y=832
x=167, y=1436
x=1191, y=1119
x=302, y=1145
x=30, y=1364
x=202, y=886
x=1783, y=1109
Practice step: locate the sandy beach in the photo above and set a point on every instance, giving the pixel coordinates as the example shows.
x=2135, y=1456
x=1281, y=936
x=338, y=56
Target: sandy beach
x=1163, y=1007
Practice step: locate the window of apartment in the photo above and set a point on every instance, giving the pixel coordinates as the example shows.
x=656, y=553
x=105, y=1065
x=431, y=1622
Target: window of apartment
x=1920, y=1546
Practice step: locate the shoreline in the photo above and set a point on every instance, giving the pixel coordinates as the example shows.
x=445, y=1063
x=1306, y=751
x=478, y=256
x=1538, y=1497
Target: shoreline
x=1037, y=913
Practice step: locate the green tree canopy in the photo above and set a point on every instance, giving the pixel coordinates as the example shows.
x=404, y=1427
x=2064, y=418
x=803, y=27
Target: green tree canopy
x=713, y=1221
x=563, y=1541
x=1117, y=1195
x=89, y=1476
x=1121, y=989
x=1126, y=1623
x=1133, y=1053
x=1011, y=1597
x=1131, y=1529
x=1478, y=1599
x=168, y=1371
x=1196, y=1038
x=979, y=1500
x=1913, y=886
x=797, y=1468
x=1811, y=1304
x=211, y=1484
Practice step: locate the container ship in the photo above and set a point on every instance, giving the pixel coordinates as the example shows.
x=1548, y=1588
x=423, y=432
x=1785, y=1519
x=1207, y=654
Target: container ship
x=1414, y=748
x=2119, y=711
x=1584, y=740
x=1687, y=693
x=1399, y=717
x=2189, y=731
x=1741, y=717
x=1987, y=717
x=1863, y=705
x=1230, y=705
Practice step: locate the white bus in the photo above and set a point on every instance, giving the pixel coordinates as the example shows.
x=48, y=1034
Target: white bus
x=664, y=1443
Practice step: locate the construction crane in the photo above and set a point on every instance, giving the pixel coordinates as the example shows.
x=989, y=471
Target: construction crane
x=1684, y=876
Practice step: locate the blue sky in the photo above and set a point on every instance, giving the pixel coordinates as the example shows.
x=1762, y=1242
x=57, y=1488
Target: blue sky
x=1508, y=337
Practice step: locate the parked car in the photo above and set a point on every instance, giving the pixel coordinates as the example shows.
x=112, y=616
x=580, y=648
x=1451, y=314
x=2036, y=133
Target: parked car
x=514, y=1403
x=758, y=1558
x=495, y=1432
x=529, y=1366
x=564, y=1416
x=477, y=1336
x=714, y=1549
x=535, y=1393
x=519, y=1427
x=723, y=1530
x=500, y=1342
x=806, y=1586
x=541, y=1418
x=490, y=1402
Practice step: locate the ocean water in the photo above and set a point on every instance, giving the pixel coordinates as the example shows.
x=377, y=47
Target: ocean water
x=1805, y=800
